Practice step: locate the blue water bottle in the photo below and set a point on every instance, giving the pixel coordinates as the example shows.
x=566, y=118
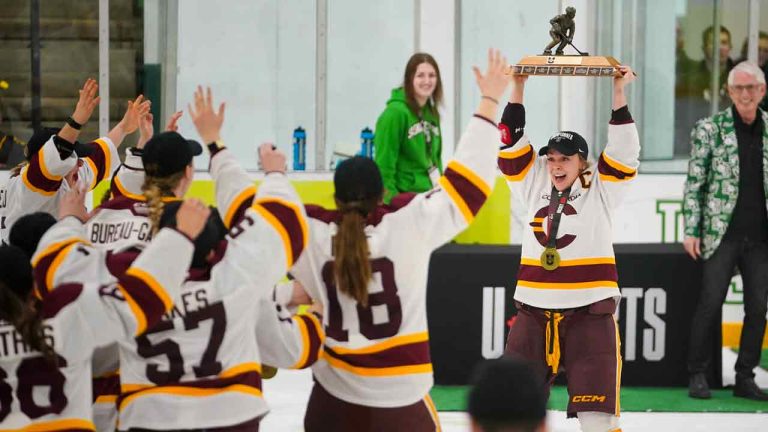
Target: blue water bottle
x=366, y=143
x=299, y=149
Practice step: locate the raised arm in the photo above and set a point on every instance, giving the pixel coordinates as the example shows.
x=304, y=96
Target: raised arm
x=86, y=103
x=618, y=163
x=234, y=187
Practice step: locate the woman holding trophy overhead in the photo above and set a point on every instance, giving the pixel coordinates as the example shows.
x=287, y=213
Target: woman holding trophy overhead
x=567, y=288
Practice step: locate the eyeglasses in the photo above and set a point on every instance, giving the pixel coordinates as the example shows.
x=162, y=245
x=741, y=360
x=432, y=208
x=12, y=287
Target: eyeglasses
x=750, y=88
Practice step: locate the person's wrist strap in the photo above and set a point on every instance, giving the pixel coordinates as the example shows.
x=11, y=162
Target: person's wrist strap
x=73, y=124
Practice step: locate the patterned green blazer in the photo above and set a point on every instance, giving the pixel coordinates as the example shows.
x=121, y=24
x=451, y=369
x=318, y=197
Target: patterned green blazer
x=712, y=185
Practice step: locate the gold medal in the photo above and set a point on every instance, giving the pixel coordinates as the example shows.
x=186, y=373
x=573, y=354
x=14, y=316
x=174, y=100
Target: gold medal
x=550, y=259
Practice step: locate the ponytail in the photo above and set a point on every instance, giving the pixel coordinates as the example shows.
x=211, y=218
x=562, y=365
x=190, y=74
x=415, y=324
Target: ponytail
x=155, y=188
x=16, y=171
x=350, y=250
x=26, y=320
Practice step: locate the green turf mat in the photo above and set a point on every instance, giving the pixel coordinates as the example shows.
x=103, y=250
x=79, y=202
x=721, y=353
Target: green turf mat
x=642, y=399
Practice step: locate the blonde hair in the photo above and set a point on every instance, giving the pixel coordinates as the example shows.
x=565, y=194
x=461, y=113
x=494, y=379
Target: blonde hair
x=155, y=188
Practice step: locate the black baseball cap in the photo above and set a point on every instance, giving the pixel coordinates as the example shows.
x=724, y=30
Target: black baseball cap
x=568, y=143
x=168, y=153
x=41, y=136
x=213, y=232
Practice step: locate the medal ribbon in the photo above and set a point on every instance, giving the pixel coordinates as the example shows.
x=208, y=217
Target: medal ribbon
x=557, y=203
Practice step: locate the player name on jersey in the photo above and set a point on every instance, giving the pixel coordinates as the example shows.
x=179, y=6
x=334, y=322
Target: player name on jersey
x=105, y=232
x=12, y=343
x=191, y=300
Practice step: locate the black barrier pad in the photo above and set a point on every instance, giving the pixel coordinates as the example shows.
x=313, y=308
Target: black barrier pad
x=659, y=276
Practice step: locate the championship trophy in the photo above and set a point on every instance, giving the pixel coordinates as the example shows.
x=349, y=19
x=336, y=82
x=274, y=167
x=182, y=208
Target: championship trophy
x=561, y=64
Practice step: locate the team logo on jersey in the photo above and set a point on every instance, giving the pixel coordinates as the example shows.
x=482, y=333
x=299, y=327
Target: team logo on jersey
x=538, y=226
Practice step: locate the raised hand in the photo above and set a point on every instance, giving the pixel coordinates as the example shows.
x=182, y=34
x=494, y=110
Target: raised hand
x=133, y=114
x=146, y=130
x=619, y=82
x=73, y=203
x=88, y=101
x=271, y=159
x=207, y=121
x=192, y=217
x=492, y=84
x=173, y=122
x=627, y=76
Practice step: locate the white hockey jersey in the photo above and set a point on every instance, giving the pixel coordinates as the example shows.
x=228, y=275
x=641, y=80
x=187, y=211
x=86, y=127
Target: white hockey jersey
x=88, y=308
x=587, y=271
x=379, y=355
x=200, y=367
x=41, y=183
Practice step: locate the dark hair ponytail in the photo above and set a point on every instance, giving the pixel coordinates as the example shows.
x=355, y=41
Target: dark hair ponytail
x=15, y=308
x=350, y=250
x=358, y=191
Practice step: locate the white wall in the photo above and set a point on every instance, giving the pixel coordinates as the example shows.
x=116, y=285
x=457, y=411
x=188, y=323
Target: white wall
x=258, y=56
x=518, y=29
x=369, y=43
x=438, y=37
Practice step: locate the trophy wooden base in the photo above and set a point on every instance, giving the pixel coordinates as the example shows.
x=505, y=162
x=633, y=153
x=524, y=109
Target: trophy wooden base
x=566, y=65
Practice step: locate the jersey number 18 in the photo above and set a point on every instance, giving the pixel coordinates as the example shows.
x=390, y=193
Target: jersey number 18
x=386, y=297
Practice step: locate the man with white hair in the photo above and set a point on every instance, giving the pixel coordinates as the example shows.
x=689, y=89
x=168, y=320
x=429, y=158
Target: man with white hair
x=726, y=226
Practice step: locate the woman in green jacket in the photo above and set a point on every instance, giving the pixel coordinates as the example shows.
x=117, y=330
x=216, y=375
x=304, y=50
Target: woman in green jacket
x=407, y=141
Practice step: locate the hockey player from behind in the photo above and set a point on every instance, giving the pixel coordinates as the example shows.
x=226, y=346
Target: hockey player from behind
x=367, y=265
x=567, y=287
x=56, y=161
x=76, y=307
x=200, y=367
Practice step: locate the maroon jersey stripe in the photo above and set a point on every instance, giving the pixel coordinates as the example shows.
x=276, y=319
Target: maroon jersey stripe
x=99, y=159
x=35, y=177
x=250, y=379
x=145, y=297
x=106, y=386
x=402, y=355
x=43, y=266
x=57, y=299
x=604, y=168
x=515, y=166
x=237, y=213
x=292, y=223
x=569, y=274
x=315, y=341
x=472, y=195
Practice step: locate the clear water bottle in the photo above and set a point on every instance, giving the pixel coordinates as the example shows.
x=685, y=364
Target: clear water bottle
x=366, y=143
x=299, y=149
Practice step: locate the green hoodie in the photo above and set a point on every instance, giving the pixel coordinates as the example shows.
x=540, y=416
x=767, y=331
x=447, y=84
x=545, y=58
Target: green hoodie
x=401, y=146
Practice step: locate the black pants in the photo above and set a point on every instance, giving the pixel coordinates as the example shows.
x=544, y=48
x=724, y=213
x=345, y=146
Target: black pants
x=752, y=260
